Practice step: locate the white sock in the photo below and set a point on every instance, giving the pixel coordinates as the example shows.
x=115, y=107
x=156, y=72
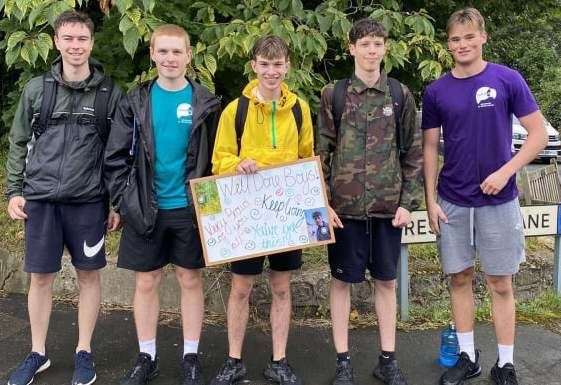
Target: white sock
x=506, y=355
x=148, y=347
x=465, y=340
x=190, y=347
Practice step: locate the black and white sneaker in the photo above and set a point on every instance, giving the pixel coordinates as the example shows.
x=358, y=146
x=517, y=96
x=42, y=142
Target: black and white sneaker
x=389, y=373
x=463, y=370
x=505, y=375
x=281, y=373
x=230, y=373
x=344, y=373
x=144, y=370
x=191, y=368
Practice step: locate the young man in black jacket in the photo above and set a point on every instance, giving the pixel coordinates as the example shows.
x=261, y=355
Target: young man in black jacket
x=55, y=184
x=163, y=137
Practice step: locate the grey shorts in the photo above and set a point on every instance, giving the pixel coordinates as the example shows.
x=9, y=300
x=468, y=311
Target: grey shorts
x=494, y=233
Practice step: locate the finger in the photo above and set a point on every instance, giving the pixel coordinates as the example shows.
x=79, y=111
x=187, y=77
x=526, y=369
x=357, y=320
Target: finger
x=434, y=227
x=20, y=214
x=442, y=216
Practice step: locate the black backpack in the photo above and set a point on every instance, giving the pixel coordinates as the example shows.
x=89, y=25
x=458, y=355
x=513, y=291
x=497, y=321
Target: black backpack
x=241, y=116
x=102, y=94
x=396, y=92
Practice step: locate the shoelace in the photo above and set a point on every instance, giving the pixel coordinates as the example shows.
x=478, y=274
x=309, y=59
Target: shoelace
x=343, y=371
x=140, y=367
x=84, y=360
x=226, y=371
x=510, y=377
x=286, y=373
x=191, y=370
x=32, y=361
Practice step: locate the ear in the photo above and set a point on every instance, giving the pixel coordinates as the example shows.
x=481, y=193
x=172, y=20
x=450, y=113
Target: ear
x=253, y=65
x=352, y=48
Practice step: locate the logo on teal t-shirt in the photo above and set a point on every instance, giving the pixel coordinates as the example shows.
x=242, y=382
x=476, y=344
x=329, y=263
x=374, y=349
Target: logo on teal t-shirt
x=172, y=117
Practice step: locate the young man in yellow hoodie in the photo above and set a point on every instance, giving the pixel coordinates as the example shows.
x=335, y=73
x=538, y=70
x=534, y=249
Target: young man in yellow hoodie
x=277, y=129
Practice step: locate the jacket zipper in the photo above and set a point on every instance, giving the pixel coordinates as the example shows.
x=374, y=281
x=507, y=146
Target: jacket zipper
x=68, y=121
x=273, y=133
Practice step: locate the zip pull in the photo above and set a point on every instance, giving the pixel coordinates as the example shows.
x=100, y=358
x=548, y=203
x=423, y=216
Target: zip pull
x=273, y=129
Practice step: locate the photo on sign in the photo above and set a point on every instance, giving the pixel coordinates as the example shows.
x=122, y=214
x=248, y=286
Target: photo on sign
x=317, y=221
x=208, y=200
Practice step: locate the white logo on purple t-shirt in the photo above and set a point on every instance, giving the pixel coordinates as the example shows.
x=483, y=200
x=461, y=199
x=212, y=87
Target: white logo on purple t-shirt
x=485, y=97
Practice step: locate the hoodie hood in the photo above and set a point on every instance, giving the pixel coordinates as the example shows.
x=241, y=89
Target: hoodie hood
x=95, y=78
x=286, y=101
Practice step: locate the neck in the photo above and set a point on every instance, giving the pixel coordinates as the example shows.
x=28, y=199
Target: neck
x=172, y=84
x=468, y=69
x=267, y=95
x=370, y=78
x=75, y=74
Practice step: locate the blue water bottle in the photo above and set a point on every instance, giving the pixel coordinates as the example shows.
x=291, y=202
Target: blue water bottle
x=449, y=348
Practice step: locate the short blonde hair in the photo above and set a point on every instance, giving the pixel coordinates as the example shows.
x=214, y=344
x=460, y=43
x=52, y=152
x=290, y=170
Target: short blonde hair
x=170, y=30
x=466, y=16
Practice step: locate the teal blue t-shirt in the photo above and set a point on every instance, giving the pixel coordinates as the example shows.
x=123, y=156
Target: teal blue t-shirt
x=172, y=118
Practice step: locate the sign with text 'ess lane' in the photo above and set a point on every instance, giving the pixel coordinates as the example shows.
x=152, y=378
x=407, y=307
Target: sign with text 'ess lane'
x=277, y=209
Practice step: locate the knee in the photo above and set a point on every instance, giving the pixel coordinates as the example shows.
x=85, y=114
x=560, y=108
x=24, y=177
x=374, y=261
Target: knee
x=148, y=282
x=281, y=291
x=462, y=280
x=385, y=285
x=241, y=289
x=339, y=286
x=189, y=279
x=88, y=279
x=501, y=286
x=42, y=281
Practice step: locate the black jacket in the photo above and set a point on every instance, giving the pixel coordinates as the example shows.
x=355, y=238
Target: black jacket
x=65, y=163
x=129, y=155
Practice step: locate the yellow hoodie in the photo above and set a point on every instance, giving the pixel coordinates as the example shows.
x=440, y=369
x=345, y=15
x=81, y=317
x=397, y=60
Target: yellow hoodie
x=270, y=133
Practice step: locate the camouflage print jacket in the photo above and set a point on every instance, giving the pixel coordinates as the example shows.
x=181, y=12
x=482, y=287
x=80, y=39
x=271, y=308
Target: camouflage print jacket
x=364, y=174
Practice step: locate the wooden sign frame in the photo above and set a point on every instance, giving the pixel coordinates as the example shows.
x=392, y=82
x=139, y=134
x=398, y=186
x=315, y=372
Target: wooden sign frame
x=196, y=203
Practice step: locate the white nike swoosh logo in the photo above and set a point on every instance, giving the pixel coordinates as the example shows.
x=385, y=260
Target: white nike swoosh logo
x=92, y=251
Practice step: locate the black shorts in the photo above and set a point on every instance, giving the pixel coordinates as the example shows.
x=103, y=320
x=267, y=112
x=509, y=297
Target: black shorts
x=51, y=226
x=361, y=244
x=174, y=240
x=287, y=261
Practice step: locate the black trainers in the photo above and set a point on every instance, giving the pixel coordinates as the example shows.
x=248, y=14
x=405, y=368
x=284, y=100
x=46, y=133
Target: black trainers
x=281, y=373
x=230, y=373
x=191, y=368
x=464, y=369
x=505, y=375
x=389, y=374
x=344, y=373
x=143, y=370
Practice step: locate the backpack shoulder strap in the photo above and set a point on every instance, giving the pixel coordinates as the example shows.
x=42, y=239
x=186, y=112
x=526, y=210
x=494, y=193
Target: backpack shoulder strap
x=101, y=102
x=338, y=101
x=241, y=116
x=297, y=112
x=47, y=104
x=396, y=93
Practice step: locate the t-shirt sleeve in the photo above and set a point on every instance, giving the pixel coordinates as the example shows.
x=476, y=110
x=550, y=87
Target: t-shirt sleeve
x=430, y=116
x=521, y=100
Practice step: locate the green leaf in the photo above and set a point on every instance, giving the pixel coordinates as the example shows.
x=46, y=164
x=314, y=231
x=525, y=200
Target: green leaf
x=125, y=24
x=283, y=5
x=210, y=63
x=44, y=45
x=297, y=8
x=134, y=14
x=324, y=22
x=148, y=5
x=26, y=53
x=12, y=55
x=36, y=14
x=130, y=41
x=124, y=5
x=16, y=38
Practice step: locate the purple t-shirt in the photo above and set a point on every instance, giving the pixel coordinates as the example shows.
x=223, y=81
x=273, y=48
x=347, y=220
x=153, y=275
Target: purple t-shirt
x=476, y=118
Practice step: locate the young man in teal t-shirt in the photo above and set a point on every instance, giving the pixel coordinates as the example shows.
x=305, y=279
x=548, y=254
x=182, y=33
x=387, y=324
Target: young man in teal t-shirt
x=164, y=130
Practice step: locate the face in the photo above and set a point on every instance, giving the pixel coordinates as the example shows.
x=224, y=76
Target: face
x=171, y=55
x=75, y=44
x=465, y=42
x=368, y=52
x=319, y=220
x=270, y=72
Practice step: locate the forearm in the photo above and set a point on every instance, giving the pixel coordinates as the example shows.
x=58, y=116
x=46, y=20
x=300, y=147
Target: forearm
x=430, y=170
x=528, y=152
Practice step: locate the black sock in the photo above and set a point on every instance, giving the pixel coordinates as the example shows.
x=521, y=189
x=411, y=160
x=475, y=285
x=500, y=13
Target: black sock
x=386, y=357
x=236, y=360
x=276, y=362
x=345, y=356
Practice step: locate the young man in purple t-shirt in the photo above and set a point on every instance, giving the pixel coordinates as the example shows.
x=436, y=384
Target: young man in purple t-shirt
x=476, y=210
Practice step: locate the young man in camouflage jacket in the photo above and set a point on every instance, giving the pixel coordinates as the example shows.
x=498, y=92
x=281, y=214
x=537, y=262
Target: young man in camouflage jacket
x=373, y=185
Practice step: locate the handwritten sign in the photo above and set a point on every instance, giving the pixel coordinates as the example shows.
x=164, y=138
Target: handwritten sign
x=277, y=209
